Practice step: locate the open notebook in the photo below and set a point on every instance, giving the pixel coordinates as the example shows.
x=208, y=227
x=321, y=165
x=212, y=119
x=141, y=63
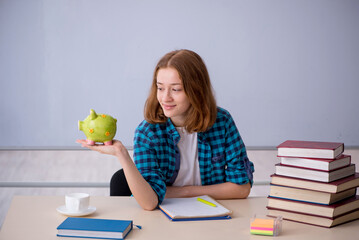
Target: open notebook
x=190, y=209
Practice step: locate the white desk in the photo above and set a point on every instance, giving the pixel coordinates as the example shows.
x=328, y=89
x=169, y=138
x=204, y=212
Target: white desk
x=35, y=217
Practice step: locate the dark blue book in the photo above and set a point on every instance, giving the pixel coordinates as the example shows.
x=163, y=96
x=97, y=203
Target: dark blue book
x=94, y=228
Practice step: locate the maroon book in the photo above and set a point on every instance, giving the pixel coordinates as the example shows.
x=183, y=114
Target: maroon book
x=316, y=175
x=318, y=163
x=333, y=210
x=312, y=219
x=307, y=195
x=331, y=187
x=310, y=149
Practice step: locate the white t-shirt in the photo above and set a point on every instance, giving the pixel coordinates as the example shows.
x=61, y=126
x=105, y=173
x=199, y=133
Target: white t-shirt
x=189, y=173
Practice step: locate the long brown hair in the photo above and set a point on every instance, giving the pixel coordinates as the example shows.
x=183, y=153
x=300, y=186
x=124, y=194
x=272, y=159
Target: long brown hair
x=197, y=86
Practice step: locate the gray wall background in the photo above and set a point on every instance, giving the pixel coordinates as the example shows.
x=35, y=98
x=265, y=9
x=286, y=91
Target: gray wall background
x=284, y=69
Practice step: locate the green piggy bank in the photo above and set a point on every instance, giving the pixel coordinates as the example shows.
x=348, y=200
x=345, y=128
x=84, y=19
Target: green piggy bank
x=98, y=128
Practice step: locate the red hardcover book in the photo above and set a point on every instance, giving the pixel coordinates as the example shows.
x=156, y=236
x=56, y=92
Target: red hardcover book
x=317, y=163
x=316, y=175
x=310, y=149
x=305, y=195
x=331, y=187
x=332, y=210
x=314, y=219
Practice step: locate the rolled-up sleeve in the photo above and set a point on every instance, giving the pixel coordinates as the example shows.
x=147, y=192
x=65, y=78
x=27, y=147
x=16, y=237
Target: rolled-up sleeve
x=145, y=159
x=239, y=169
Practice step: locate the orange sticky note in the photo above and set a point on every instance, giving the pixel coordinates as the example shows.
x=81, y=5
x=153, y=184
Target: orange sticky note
x=263, y=223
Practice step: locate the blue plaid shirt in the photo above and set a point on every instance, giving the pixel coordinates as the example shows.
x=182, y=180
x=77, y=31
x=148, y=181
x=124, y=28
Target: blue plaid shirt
x=222, y=155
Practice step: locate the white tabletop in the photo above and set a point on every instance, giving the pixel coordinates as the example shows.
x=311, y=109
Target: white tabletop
x=35, y=217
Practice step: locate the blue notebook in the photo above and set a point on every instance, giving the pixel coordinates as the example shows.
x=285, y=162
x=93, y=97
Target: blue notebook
x=94, y=228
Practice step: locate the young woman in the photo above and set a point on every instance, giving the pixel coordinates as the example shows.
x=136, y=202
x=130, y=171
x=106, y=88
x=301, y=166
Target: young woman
x=186, y=146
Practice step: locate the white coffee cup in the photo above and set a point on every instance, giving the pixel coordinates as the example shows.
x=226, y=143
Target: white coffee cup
x=77, y=202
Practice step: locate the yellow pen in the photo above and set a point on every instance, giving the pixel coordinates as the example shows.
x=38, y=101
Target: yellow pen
x=206, y=202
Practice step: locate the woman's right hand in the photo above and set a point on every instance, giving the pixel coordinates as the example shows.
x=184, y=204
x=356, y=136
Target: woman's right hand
x=116, y=149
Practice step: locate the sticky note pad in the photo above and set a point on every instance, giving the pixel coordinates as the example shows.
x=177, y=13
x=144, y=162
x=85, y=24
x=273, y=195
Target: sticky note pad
x=262, y=226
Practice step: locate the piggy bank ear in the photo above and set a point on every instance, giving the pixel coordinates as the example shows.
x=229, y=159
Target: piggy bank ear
x=93, y=114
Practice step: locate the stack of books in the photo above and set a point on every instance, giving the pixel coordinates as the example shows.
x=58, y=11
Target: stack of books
x=314, y=183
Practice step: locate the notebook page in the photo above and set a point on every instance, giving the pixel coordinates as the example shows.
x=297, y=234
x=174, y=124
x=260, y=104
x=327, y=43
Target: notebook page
x=190, y=208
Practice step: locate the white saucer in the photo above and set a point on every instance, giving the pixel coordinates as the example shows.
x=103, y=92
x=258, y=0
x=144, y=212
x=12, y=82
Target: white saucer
x=65, y=211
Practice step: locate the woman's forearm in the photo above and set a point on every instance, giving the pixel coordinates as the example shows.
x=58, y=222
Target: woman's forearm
x=140, y=188
x=226, y=190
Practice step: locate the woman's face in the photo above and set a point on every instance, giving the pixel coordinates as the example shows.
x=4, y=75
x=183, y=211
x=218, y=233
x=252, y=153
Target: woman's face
x=171, y=96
